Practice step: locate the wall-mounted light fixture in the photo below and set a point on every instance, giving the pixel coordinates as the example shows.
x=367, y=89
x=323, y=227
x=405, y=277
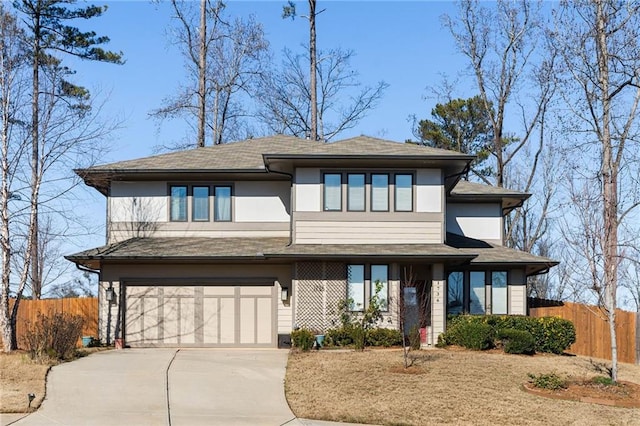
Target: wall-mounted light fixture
x=284, y=294
x=110, y=294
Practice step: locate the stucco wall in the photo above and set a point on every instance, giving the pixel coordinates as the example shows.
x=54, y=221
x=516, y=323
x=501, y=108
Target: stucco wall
x=141, y=209
x=482, y=221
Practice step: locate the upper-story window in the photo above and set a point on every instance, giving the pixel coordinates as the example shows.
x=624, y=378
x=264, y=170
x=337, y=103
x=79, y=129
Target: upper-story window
x=178, y=205
x=404, y=192
x=379, y=192
x=332, y=192
x=370, y=191
x=222, y=203
x=355, y=192
x=200, y=204
x=193, y=202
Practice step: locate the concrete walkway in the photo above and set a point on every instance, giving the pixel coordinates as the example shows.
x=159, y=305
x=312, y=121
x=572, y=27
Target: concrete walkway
x=167, y=387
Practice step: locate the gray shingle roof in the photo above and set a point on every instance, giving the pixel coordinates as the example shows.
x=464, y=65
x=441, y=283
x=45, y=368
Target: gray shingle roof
x=494, y=254
x=243, y=155
x=370, y=146
x=247, y=155
x=465, y=188
x=177, y=248
x=371, y=250
x=457, y=249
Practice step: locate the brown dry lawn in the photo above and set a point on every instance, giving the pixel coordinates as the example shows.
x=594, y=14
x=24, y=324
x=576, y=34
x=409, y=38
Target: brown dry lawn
x=19, y=376
x=452, y=387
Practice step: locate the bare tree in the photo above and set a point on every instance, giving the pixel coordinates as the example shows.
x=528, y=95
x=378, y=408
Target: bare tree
x=48, y=30
x=514, y=75
x=225, y=58
x=286, y=96
x=599, y=45
x=13, y=140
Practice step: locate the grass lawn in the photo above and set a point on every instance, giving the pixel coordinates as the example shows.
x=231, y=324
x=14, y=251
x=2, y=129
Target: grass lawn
x=446, y=386
x=19, y=376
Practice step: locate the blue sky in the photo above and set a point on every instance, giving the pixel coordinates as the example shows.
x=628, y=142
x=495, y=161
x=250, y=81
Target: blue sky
x=402, y=43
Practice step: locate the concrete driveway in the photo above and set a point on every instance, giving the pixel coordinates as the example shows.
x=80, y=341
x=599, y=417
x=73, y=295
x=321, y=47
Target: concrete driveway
x=168, y=387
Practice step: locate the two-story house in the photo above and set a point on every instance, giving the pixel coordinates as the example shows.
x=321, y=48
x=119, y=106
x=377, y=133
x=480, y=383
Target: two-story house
x=237, y=244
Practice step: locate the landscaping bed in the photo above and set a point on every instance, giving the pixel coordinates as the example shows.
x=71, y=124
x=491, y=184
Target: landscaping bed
x=445, y=386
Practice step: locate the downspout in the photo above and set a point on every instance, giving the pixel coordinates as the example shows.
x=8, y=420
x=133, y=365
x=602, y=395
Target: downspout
x=290, y=175
x=85, y=269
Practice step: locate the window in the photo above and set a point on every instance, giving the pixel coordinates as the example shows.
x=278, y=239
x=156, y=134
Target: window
x=379, y=193
x=455, y=293
x=222, y=204
x=404, y=193
x=332, y=192
x=380, y=274
x=200, y=203
x=355, y=192
x=355, y=287
x=178, y=203
x=477, y=292
x=499, y=293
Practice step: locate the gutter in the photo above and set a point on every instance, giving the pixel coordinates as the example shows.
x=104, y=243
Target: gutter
x=85, y=269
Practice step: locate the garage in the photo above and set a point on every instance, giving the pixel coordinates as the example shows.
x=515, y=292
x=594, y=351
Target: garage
x=200, y=315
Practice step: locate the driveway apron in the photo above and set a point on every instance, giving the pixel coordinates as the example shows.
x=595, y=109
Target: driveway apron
x=228, y=387
x=167, y=387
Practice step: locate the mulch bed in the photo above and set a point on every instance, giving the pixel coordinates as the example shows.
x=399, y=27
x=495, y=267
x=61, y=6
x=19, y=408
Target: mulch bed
x=623, y=394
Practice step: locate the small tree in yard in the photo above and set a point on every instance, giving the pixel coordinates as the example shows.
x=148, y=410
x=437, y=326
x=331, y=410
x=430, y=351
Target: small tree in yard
x=360, y=322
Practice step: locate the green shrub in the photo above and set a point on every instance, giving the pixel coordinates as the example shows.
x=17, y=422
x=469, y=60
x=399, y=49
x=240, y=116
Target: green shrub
x=53, y=336
x=551, y=334
x=604, y=381
x=385, y=337
x=517, y=341
x=470, y=334
x=557, y=335
x=303, y=339
x=359, y=335
x=342, y=336
x=550, y=381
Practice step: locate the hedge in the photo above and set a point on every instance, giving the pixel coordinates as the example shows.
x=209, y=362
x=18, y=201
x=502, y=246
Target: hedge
x=550, y=334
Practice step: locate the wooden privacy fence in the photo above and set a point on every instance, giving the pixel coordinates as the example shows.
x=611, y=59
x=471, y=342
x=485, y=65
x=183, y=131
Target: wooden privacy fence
x=86, y=307
x=592, y=329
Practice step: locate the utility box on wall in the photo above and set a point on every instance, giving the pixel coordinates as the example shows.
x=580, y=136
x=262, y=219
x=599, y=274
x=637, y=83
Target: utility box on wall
x=284, y=341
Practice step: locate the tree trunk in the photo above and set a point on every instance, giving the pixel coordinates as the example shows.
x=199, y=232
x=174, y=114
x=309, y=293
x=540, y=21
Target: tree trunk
x=36, y=279
x=202, y=74
x=312, y=70
x=4, y=206
x=609, y=188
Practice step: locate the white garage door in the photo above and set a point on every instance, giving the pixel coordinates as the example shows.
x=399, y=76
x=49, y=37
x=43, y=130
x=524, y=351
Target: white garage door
x=200, y=316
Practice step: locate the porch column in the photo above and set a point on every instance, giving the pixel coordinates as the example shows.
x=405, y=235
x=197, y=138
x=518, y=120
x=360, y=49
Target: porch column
x=438, y=302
